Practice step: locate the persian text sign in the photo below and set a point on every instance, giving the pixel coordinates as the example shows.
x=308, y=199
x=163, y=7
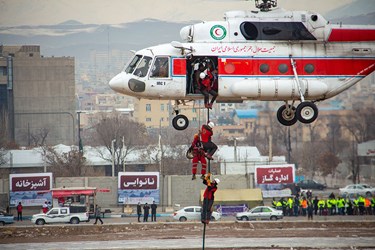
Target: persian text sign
x=138, y=180
x=274, y=174
x=134, y=187
x=30, y=182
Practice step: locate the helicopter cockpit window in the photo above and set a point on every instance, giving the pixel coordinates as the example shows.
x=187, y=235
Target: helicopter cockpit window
x=133, y=63
x=160, y=69
x=143, y=66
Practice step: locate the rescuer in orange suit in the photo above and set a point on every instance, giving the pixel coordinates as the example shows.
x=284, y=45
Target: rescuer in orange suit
x=198, y=156
x=206, y=134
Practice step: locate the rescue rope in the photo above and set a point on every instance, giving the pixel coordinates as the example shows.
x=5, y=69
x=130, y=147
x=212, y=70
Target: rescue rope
x=208, y=172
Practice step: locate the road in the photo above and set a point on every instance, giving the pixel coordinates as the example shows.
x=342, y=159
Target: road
x=325, y=232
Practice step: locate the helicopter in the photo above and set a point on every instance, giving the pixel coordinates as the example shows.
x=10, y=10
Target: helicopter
x=270, y=54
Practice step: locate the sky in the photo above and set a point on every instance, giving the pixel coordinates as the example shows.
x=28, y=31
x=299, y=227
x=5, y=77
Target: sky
x=47, y=12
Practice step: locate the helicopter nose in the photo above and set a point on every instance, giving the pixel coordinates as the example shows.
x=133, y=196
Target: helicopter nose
x=117, y=83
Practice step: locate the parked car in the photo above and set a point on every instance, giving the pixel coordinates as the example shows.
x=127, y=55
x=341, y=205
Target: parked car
x=193, y=213
x=260, y=213
x=60, y=215
x=311, y=184
x=357, y=189
x=6, y=218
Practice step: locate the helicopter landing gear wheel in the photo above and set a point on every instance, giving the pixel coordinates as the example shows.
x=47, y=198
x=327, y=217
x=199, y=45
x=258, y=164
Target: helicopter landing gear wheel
x=307, y=112
x=286, y=115
x=180, y=122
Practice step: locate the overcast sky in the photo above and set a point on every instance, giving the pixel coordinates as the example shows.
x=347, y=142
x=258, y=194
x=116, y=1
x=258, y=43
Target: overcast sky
x=37, y=12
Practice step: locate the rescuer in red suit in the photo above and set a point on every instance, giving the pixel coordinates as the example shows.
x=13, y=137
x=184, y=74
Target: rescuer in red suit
x=198, y=156
x=208, y=198
x=206, y=134
x=206, y=83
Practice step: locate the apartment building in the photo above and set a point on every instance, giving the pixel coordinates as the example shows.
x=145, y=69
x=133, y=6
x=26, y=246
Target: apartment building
x=37, y=96
x=159, y=113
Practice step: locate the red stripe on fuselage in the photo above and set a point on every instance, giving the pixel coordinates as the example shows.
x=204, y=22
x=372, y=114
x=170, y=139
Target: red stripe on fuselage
x=351, y=35
x=251, y=67
x=322, y=67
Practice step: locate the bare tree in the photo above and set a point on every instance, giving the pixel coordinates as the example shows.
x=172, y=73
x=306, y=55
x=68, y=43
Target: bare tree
x=3, y=137
x=328, y=163
x=361, y=126
x=307, y=157
x=66, y=164
x=169, y=150
x=119, y=135
x=39, y=136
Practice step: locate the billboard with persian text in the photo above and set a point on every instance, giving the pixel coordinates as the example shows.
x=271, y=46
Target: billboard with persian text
x=273, y=178
x=134, y=187
x=31, y=189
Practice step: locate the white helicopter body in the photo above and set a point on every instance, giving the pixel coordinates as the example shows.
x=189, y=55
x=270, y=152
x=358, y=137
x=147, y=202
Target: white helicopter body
x=273, y=55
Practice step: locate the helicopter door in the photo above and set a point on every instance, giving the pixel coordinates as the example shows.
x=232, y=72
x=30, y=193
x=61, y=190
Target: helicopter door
x=196, y=65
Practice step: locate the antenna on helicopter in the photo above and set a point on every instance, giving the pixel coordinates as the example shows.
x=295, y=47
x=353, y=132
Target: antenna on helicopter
x=265, y=5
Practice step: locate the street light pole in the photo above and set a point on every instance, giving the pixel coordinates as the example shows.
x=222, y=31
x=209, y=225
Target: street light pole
x=80, y=146
x=113, y=156
x=123, y=154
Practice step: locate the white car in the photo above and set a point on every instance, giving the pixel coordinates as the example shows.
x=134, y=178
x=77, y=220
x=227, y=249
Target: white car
x=60, y=215
x=260, y=213
x=357, y=189
x=193, y=213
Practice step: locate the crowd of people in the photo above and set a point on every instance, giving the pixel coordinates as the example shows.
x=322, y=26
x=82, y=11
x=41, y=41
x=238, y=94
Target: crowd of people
x=305, y=204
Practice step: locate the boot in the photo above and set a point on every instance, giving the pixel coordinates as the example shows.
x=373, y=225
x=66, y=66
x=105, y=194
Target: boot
x=208, y=156
x=193, y=177
x=206, y=105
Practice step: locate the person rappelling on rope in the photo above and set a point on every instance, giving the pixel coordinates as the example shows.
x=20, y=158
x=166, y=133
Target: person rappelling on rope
x=206, y=135
x=198, y=156
x=206, y=83
x=208, y=198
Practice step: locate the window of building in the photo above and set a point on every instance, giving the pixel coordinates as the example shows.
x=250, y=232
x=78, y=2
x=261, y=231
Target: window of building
x=148, y=119
x=3, y=71
x=162, y=107
x=148, y=107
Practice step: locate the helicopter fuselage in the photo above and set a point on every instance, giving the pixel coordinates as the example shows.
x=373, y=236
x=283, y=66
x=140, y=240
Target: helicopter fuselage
x=255, y=56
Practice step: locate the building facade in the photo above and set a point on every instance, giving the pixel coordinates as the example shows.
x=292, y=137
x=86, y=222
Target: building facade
x=159, y=113
x=37, y=96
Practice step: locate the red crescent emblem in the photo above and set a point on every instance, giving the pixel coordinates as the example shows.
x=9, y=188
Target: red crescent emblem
x=216, y=31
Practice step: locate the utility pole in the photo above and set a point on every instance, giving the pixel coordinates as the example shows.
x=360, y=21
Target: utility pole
x=123, y=154
x=113, y=156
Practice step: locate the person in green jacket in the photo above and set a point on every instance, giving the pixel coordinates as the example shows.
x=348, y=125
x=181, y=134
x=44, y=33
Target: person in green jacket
x=329, y=206
x=290, y=206
x=361, y=205
x=321, y=206
x=340, y=202
x=355, y=206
